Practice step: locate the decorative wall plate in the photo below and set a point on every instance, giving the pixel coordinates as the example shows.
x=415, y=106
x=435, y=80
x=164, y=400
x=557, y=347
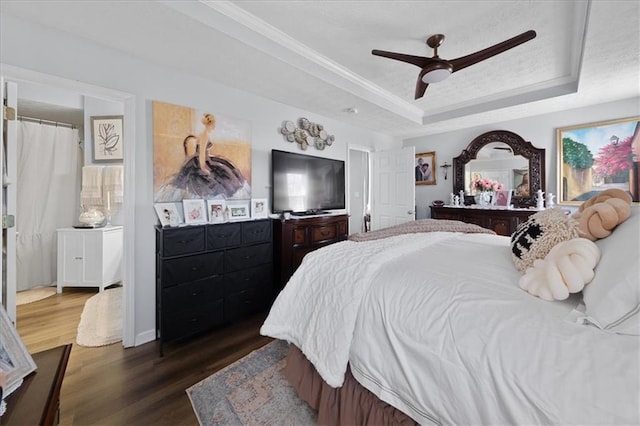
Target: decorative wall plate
x=319, y=137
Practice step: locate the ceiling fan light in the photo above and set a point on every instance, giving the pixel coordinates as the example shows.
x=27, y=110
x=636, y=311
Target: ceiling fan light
x=436, y=75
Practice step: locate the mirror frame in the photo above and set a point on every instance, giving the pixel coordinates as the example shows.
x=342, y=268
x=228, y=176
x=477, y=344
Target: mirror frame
x=536, y=157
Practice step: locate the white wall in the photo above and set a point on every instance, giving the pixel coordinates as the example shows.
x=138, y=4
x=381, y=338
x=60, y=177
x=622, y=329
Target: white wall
x=539, y=130
x=33, y=47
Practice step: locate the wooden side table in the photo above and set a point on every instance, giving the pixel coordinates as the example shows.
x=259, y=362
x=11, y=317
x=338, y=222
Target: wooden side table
x=37, y=400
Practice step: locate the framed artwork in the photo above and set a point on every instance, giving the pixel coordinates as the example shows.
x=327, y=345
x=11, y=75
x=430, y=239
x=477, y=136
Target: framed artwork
x=169, y=214
x=502, y=198
x=259, y=208
x=597, y=156
x=107, y=132
x=198, y=153
x=238, y=210
x=425, y=168
x=194, y=211
x=15, y=360
x=215, y=209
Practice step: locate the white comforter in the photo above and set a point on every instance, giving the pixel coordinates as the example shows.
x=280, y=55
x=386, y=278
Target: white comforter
x=436, y=325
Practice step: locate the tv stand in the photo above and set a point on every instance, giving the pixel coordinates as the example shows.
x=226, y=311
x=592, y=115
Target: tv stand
x=309, y=213
x=293, y=239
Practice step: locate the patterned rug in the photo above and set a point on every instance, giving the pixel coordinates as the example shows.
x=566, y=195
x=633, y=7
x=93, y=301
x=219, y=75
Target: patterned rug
x=251, y=391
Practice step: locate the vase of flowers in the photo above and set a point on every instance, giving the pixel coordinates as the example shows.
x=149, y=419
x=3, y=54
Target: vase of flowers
x=484, y=189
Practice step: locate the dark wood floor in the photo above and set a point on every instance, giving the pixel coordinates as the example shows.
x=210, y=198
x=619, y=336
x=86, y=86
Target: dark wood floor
x=111, y=385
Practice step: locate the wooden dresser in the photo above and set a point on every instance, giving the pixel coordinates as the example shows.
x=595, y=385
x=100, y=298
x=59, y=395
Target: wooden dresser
x=295, y=237
x=37, y=400
x=501, y=221
x=209, y=275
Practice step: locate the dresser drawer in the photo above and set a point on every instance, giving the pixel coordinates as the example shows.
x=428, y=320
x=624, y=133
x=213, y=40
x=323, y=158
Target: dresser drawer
x=324, y=233
x=192, y=268
x=180, y=241
x=192, y=294
x=223, y=236
x=247, y=257
x=256, y=232
x=260, y=276
x=246, y=302
x=192, y=320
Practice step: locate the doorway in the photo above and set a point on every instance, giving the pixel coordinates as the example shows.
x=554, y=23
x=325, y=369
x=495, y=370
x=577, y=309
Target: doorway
x=126, y=103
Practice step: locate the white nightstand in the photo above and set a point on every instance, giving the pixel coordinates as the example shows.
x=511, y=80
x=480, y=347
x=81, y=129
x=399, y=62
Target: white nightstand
x=89, y=257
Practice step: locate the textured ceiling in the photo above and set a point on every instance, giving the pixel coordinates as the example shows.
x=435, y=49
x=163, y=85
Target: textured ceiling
x=316, y=55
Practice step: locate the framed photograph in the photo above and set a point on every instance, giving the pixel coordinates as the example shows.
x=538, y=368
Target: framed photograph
x=15, y=360
x=425, y=168
x=107, y=132
x=502, y=198
x=597, y=156
x=194, y=211
x=215, y=210
x=169, y=214
x=259, y=208
x=238, y=210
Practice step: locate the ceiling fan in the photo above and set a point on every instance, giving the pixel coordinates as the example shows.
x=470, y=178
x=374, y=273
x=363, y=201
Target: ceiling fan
x=436, y=69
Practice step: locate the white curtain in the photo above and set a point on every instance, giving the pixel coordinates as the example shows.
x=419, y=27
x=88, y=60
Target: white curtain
x=48, y=187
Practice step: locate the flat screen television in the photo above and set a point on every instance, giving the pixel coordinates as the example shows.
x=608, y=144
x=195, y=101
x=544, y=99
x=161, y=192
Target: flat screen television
x=304, y=184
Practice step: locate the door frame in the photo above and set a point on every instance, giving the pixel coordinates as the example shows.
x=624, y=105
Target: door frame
x=17, y=74
x=367, y=150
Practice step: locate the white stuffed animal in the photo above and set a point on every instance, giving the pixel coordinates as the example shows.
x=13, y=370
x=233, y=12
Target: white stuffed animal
x=566, y=269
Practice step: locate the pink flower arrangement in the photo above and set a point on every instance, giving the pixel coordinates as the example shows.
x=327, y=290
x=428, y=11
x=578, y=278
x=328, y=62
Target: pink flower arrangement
x=481, y=184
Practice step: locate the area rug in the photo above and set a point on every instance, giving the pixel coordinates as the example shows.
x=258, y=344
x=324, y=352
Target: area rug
x=251, y=391
x=101, y=319
x=34, y=294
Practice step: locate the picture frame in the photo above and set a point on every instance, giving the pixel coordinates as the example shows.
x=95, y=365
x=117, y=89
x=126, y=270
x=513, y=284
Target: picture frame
x=502, y=197
x=238, y=210
x=169, y=214
x=15, y=359
x=425, y=168
x=108, y=138
x=216, y=211
x=596, y=156
x=259, y=208
x=194, y=211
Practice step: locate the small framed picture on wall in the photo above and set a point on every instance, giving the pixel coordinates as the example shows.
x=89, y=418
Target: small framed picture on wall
x=108, y=138
x=425, y=168
x=194, y=211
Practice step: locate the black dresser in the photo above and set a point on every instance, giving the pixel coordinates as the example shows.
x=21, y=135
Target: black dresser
x=209, y=275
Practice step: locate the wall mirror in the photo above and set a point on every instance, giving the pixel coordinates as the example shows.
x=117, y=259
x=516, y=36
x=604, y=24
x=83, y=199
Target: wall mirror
x=505, y=157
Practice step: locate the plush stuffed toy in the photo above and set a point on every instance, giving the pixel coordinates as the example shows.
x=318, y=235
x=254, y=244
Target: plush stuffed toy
x=556, y=252
x=599, y=215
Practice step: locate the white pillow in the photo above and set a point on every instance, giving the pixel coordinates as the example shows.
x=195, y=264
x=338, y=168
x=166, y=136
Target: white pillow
x=612, y=299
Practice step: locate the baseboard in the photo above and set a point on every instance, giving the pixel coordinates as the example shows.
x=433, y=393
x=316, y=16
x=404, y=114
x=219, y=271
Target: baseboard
x=145, y=337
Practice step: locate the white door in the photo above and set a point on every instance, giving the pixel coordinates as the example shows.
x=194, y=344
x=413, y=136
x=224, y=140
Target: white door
x=8, y=159
x=394, y=198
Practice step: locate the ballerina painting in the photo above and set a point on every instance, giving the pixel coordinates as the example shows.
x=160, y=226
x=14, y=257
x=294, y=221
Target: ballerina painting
x=199, y=155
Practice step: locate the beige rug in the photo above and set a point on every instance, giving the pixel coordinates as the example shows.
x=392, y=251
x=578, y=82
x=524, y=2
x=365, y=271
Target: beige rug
x=34, y=294
x=101, y=320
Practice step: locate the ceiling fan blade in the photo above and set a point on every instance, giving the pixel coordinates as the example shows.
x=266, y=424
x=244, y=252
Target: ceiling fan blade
x=481, y=55
x=421, y=87
x=419, y=61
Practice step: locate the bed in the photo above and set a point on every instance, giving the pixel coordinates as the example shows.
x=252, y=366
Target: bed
x=429, y=326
